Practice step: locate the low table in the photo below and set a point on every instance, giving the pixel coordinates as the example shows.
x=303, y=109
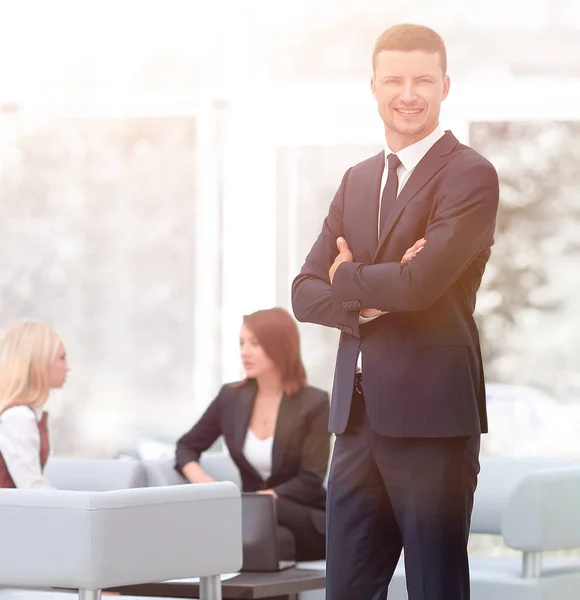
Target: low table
x=282, y=585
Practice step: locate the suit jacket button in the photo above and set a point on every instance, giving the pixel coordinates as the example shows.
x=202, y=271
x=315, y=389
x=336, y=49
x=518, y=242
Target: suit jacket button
x=356, y=304
x=345, y=305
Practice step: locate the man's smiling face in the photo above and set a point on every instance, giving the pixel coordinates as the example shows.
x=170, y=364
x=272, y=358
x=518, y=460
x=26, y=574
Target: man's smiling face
x=409, y=88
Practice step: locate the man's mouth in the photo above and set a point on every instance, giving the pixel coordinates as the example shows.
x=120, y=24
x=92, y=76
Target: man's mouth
x=409, y=112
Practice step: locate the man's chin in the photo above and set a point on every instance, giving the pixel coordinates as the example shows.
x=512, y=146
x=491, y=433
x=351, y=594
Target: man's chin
x=409, y=129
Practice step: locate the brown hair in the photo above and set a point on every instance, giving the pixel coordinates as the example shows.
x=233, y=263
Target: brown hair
x=277, y=333
x=408, y=38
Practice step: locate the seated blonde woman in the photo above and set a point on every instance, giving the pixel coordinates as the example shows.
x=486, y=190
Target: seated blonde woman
x=32, y=362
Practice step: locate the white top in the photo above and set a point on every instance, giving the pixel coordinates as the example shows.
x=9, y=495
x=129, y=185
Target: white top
x=259, y=453
x=410, y=157
x=20, y=446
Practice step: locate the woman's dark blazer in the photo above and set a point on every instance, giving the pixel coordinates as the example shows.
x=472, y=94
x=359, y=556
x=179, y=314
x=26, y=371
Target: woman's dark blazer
x=300, y=449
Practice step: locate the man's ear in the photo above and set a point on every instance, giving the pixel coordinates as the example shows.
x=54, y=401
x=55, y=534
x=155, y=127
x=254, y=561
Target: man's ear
x=373, y=86
x=446, y=86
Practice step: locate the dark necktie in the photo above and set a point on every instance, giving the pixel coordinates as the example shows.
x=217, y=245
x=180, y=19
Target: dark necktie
x=391, y=188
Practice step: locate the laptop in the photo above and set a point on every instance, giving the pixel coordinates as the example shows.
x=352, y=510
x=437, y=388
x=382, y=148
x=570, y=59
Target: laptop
x=267, y=547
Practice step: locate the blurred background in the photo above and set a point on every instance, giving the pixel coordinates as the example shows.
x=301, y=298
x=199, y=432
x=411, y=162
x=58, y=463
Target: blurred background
x=165, y=166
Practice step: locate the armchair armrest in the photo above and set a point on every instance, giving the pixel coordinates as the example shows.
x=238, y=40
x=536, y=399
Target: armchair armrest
x=95, y=540
x=542, y=513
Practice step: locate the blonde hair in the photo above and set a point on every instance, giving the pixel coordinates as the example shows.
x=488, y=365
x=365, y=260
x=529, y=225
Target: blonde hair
x=27, y=350
x=408, y=37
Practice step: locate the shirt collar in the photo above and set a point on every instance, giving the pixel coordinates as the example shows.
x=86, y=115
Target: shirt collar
x=412, y=155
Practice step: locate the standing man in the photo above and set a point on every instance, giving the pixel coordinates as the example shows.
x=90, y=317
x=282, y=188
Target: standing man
x=408, y=421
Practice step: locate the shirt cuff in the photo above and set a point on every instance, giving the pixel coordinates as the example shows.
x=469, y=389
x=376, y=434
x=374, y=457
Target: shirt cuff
x=362, y=319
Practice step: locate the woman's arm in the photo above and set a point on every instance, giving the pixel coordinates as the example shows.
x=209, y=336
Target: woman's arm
x=198, y=439
x=193, y=472
x=20, y=447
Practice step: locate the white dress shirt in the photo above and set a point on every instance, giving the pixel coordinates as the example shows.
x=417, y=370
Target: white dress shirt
x=20, y=446
x=410, y=157
x=259, y=453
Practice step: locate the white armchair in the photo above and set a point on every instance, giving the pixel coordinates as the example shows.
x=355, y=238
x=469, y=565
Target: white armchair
x=94, y=540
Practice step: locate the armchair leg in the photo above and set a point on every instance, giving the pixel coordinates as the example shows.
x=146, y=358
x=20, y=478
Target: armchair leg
x=89, y=594
x=532, y=565
x=210, y=588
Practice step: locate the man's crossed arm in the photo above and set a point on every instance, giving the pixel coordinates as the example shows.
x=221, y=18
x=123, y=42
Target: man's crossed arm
x=345, y=255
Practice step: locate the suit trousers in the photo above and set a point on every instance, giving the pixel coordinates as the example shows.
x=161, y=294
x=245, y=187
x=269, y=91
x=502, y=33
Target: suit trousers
x=386, y=494
x=302, y=521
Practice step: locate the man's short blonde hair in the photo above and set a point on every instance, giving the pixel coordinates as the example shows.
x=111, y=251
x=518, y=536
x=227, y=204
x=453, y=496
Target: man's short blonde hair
x=408, y=38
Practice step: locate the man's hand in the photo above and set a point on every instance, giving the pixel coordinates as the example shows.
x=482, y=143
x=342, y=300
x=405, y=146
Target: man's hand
x=344, y=255
x=371, y=313
x=413, y=250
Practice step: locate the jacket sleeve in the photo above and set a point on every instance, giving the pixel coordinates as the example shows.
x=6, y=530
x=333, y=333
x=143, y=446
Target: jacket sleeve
x=314, y=456
x=312, y=300
x=201, y=436
x=460, y=230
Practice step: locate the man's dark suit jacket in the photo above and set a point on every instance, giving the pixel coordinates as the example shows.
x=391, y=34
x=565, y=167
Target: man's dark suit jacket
x=300, y=450
x=422, y=367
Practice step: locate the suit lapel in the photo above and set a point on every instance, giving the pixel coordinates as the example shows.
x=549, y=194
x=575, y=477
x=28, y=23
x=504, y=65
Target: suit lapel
x=244, y=409
x=370, y=213
x=429, y=165
x=284, y=426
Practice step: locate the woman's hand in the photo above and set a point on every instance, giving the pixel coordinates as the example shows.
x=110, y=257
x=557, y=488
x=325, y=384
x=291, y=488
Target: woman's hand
x=269, y=492
x=195, y=474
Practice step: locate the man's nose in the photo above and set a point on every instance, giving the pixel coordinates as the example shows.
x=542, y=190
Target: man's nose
x=408, y=92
